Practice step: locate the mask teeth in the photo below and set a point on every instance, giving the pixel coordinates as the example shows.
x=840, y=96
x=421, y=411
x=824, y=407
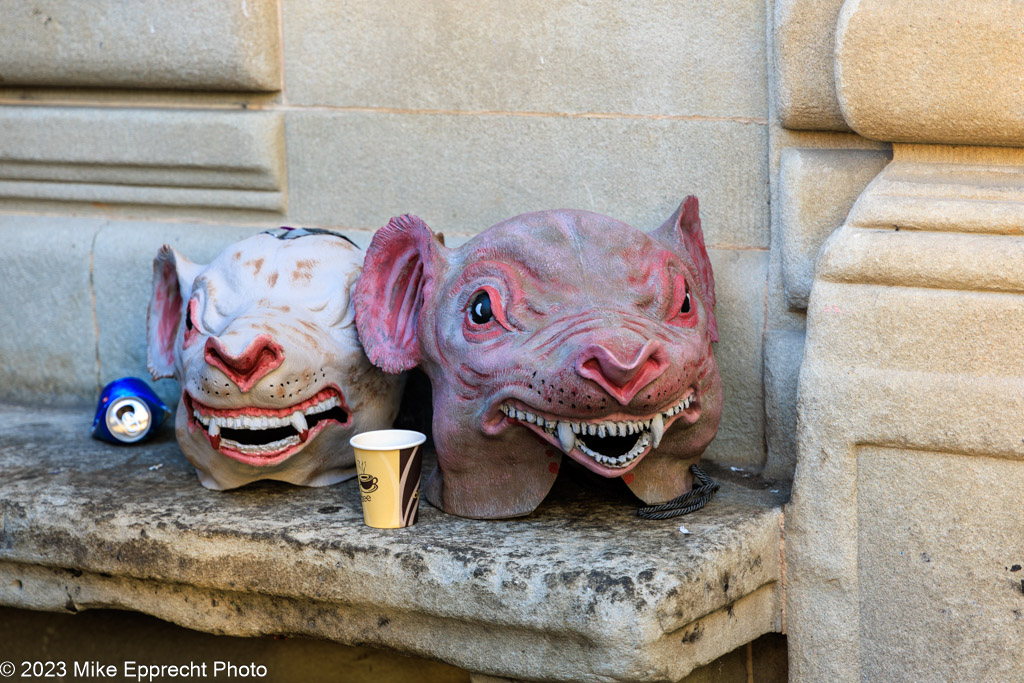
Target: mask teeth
x=650, y=431
x=297, y=420
x=257, y=422
x=261, y=449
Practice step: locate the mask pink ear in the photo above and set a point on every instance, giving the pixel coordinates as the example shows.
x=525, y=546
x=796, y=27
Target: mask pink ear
x=401, y=264
x=682, y=232
x=172, y=281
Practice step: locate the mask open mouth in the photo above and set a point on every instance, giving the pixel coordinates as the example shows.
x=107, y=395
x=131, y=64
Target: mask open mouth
x=262, y=435
x=610, y=444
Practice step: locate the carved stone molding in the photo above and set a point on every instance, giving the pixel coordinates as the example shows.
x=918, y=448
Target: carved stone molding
x=932, y=72
x=910, y=449
x=177, y=159
x=817, y=187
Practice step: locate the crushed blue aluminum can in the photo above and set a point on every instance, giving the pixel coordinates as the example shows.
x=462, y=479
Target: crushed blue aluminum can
x=128, y=412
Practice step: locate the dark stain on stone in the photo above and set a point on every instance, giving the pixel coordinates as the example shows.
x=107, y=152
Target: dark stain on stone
x=646, y=575
x=1015, y=568
x=69, y=605
x=329, y=510
x=382, y=622
x=725, y=582
x=467, y=555
x=412, y=563
x=926, y=557
x=693, y=635
x=729, y=611
x=1018, y=615
x=74, y=572
x=213, y=602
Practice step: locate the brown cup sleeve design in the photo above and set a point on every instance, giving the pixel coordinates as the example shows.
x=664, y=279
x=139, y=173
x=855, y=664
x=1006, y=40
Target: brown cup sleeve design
x=409, y=466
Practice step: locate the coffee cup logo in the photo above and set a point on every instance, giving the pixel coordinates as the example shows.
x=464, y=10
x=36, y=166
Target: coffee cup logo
x=368, y=483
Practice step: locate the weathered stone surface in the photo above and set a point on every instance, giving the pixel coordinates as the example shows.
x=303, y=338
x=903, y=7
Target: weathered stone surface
x=115, y=637
x=462, y=174
x=804, y=86
x=652, y=57
x=739, y=287
x=182, y=160
x=940, y=570
x=580, y=590
x=921, y=71
x=48, y=344
x=173, y=44
x=817, y=187
x=909, y=401
x=783, y=353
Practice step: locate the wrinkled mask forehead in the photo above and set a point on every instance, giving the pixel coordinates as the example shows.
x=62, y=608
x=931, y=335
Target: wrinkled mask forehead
x=580, y=253
x=313, y=270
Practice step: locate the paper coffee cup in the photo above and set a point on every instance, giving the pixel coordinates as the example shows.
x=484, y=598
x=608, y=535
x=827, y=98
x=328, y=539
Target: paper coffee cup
x=388, y=462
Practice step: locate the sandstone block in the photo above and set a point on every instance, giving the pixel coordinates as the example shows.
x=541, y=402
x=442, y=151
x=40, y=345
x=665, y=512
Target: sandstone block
x=939, y=565
x=650, y=57
x=48, y=344
x=921, y=71
x=783, y=353
x=462, y=174
x=176, y=44
x=805, y=91
x=739, y=286
x=817, y=187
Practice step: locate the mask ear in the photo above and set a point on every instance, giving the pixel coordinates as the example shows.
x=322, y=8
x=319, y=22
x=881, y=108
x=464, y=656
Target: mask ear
x=682, y=234
x=172, y=275
x=401, y=265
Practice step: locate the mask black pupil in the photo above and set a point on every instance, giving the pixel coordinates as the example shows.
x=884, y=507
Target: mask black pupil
x=188, y=319
x=686, y=302
x=480, y=309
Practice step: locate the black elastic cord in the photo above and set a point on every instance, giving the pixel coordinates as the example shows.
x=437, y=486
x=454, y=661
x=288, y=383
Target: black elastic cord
x=695, y=499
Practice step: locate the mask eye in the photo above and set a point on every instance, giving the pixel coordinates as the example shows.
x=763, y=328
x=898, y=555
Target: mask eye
x=191, y=329
x=480, y=308
x=683, y=312
x=485, y=316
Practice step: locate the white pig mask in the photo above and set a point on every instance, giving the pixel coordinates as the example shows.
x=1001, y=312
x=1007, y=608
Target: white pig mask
x=263, y=342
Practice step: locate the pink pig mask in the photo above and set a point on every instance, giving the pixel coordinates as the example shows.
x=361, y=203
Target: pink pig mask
x=558, y=332
x=264, y=345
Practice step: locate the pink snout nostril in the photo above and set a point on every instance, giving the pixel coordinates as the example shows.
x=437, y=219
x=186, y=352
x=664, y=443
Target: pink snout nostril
x=623, y=379
x=245, y=369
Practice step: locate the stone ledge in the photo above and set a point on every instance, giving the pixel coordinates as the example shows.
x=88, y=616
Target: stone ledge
x=580, y=590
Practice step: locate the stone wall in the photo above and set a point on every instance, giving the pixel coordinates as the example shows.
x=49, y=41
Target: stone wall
x=902, y=543
x=127, y=126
